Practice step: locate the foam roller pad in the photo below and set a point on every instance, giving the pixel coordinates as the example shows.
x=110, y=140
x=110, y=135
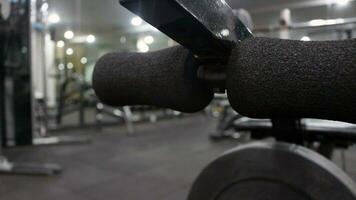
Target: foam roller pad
x=166, y=78
x=272, y=78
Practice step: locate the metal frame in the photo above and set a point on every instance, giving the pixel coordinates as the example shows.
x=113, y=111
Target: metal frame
x=207, y=28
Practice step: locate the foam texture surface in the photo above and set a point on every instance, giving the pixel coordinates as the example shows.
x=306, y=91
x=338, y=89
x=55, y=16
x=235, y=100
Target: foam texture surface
x=165, y=78
x=272, y=78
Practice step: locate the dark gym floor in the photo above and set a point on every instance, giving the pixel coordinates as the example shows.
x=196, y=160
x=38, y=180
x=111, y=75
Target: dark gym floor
x=159, y=163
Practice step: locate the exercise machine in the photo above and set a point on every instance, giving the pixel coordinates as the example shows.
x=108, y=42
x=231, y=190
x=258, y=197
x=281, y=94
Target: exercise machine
x=15, y=90
x=280, y=80
x=40, y=54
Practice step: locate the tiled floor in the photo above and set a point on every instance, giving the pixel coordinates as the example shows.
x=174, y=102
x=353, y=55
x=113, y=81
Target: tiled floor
x=160, y=163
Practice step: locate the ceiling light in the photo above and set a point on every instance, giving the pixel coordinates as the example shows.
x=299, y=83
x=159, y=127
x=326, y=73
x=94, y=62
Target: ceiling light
x=136, y=21
x=324, y=22
x=68, y=35
x=334, y=21
x=54, y=18
x=340, y=2
x=142, y=46
x=317, y=22
x=122, y=39
x=148, y=39
x=44, y=7
x=90, y=38
x=70, y=65
x=61, y=67
x=305, y=38
x=60, y=44
x=69, y=51
x=84, y=60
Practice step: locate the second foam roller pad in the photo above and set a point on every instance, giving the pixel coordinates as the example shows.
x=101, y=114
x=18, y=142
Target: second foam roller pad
x=272, y=78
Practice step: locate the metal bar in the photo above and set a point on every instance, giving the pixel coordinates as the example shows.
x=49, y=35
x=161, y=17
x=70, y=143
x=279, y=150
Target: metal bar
x=205, y=27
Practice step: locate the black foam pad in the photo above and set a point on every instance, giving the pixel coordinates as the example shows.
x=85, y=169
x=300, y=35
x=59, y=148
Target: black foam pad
x=166, y=78
x=272, y=78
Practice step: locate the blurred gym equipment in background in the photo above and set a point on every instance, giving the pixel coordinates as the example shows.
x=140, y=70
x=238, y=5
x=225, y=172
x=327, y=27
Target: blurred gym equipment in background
x=266, y=103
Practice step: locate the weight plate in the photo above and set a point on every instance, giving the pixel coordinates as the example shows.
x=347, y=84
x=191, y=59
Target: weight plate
x=272, y=171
